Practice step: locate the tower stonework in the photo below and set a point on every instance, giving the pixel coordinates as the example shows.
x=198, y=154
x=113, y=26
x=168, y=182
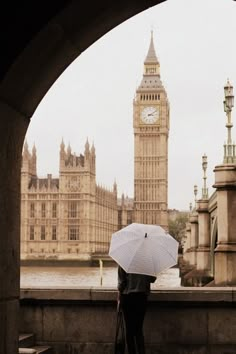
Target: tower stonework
x=151, y=129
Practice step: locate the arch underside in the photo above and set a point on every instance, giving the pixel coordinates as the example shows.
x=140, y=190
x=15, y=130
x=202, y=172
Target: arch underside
x=39, y=40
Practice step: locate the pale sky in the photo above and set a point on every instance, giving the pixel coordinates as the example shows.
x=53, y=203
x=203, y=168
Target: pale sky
x=93, y=98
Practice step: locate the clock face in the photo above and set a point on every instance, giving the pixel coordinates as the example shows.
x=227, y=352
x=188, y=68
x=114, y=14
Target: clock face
x=150, y=115
x=73, y=184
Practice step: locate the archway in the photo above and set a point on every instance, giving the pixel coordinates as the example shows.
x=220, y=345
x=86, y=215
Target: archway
x=37, y=49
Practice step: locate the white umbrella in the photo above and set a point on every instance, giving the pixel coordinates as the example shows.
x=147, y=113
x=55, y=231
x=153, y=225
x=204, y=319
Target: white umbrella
x=143, y=249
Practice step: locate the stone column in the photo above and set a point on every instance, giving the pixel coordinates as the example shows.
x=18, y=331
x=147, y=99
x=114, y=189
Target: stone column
x=184, y=262
x=187, y=243
x=203, y=250
x=193, y=238
x=225, y=252
x=13, y=128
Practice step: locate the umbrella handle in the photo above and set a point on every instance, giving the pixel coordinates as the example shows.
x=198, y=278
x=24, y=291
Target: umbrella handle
x=118, y=306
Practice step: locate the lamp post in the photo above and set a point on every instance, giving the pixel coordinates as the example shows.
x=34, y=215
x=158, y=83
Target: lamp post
x=204, y=167
x=195, y=194
x=229, y=147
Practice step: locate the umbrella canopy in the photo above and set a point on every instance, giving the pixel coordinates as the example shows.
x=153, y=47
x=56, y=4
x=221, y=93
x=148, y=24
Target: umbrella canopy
x=143, y=249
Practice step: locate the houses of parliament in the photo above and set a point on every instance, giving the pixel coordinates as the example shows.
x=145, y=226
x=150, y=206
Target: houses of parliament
x=73, y=218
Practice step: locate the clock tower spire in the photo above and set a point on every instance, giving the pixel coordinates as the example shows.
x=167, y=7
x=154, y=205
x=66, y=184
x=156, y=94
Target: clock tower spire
x=151, y=63
x=151, y=129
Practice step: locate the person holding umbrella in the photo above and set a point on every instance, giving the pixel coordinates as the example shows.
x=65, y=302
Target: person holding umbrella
x=141, y=251
x=133, y=290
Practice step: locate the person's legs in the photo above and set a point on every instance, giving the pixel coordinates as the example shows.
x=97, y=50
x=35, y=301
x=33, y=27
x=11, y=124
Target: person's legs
x=134, y=309
x=141, y=306
x=129, y=316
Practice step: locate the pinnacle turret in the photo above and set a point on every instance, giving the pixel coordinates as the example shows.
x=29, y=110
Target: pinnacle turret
x=68, y=150
x=115, y=187
x=26, y=150
x=93, y=149
x=151, y=55
x=151, y=63
x=29, y=161
x=34, y=151
x=62, y=146
x=87, y=145
x=151, y=73
x=86, y=150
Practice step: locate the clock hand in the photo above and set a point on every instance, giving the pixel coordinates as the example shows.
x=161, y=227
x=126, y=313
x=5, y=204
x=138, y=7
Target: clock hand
x=151, y=114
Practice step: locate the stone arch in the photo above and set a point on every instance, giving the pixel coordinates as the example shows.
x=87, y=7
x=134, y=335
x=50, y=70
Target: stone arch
x=39, y=42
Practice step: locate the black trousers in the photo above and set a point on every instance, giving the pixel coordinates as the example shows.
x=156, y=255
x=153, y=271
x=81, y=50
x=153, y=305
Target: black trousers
x=134, y=307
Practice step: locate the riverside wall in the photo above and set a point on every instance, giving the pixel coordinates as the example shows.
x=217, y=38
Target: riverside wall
x=178, y=320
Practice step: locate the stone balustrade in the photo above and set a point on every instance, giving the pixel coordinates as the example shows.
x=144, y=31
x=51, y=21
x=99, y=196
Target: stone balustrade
x=179, y=320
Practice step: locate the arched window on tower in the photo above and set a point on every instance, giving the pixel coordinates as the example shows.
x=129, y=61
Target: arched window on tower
x=43, y=233
x=31, y=233
x=43, y=210
x=32, y=210
x=72, y=210
x=73, y=233
x=54, y=210
x=54, y=233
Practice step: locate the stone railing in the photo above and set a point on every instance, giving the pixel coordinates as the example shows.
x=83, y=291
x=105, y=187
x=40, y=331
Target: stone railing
x=178, y=320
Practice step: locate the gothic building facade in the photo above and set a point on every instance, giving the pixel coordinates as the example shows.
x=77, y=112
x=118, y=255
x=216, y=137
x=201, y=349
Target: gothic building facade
x=71, y=217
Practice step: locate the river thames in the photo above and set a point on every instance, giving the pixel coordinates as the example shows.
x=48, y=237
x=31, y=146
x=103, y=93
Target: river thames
x=34, y=277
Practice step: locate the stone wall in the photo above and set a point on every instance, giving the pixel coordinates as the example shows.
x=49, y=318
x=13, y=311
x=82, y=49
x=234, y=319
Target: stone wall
x=178, y=321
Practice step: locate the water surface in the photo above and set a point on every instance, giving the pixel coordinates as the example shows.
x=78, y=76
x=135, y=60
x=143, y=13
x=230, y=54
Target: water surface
x=34, y=277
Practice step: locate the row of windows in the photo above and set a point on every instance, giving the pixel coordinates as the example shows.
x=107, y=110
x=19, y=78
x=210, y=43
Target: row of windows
x=150, y=97
x=149, y=206
x=43, y=233
x=73, y=233
x=41, y=196
x=43, y=210
x=129, y=217
x=73, y=210
x=42, y=250
x=151, y=70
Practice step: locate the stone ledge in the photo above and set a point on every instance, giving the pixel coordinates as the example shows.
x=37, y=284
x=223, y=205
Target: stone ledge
x=27, y=351
x=181, y=294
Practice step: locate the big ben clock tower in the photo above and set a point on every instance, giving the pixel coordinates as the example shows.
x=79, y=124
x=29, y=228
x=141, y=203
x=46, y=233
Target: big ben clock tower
x=151, y=128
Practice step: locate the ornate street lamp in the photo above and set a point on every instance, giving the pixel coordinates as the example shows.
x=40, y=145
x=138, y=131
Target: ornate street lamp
x=229, y=147
x=195, y=194
x=204, y=167
x=229, y=96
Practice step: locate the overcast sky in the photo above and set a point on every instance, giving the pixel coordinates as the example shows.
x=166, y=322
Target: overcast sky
x=93, y=98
